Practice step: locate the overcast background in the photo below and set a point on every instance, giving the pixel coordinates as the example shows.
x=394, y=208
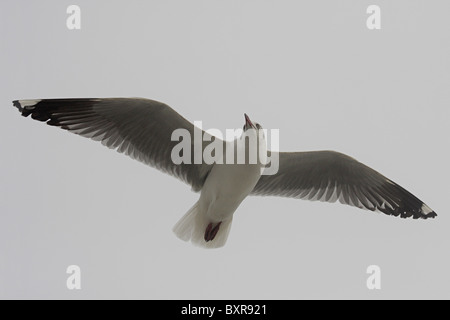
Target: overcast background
x=309, y=68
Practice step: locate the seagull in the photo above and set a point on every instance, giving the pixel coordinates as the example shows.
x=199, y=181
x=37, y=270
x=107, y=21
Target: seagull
x=142, y=129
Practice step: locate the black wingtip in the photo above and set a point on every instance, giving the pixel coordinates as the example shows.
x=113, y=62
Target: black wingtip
x=425, y=212
x=16, y=103
x=431, y=215
x=398, y=202
x=26, y=107
x=39, y=109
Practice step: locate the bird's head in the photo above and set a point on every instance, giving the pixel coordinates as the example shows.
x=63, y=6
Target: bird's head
x=253, y=139
x=253, y=129
x=250, y=125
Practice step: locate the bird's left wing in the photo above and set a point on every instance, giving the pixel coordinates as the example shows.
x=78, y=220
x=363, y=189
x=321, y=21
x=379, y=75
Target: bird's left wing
x=139, y=128
x=330, y=176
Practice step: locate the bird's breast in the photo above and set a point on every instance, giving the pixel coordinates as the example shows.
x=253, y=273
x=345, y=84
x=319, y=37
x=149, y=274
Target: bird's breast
x=226, y=187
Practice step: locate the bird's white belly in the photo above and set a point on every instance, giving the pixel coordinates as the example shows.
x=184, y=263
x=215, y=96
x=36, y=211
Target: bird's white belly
x=225, y=188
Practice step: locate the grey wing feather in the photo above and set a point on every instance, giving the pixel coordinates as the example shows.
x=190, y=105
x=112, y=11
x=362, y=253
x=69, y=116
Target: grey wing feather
x=139, y=128
x=330, y=176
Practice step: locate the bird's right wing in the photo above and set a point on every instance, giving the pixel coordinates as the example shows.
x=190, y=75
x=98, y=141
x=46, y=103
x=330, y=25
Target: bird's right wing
x=140, y=128
x=330, y=176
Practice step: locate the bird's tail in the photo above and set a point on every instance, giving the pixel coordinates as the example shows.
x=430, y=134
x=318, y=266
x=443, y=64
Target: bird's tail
x=192, y=227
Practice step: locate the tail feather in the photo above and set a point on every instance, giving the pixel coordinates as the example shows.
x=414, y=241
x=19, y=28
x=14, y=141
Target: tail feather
x=192, y=227
x=183, y=228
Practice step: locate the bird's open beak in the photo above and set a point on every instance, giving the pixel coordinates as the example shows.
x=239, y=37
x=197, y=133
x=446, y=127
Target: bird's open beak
x=248, y=121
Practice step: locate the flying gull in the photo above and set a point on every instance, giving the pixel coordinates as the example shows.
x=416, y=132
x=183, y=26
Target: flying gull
x=142, y=129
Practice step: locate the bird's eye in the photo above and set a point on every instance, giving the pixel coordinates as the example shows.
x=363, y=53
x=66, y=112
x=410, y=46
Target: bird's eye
x=258, y=126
